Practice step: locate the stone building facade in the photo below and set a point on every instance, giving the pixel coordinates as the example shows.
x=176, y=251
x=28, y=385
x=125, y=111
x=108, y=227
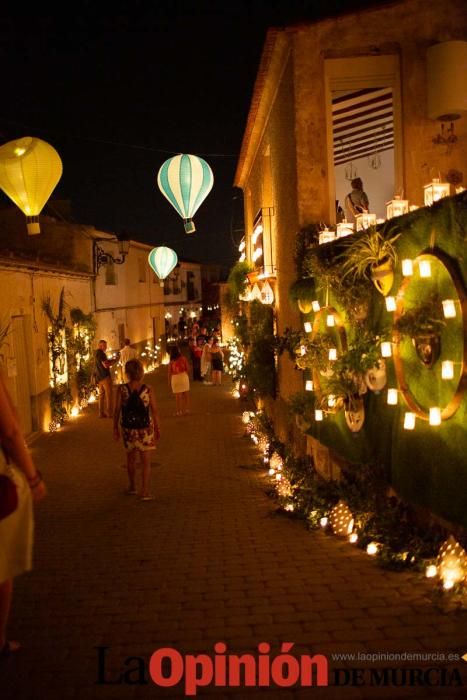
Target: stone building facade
x=126, y=300
x=353, y=90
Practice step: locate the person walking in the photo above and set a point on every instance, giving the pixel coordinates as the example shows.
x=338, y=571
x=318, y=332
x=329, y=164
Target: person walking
x=127, y=353
x=217, y=362
x=20, y=484
x=356, y=202
x=196, y=351
x=104, y=380
x=140, y=426
x=179, y=381
x=206, y=362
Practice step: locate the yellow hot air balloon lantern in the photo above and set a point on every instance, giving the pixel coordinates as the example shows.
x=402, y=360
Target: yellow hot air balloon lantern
x=29, y=172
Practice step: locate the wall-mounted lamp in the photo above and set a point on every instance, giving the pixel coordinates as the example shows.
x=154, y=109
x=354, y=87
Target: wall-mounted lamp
x=102, y=257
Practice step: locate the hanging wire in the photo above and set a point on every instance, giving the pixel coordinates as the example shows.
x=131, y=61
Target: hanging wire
x=119, y=144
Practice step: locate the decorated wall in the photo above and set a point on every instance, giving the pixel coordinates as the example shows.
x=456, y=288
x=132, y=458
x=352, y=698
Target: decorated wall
x=395, y=348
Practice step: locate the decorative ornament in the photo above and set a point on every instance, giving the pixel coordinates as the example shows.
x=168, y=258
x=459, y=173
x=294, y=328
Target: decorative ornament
x=29, y=172
x=162, y=260
x=435, y=191
x=185, y=180
x=382, y=276
x=341, y=519
x=255, y=293
x=267, y=295
x=276, y=462
x=304, y=306
x=364, y=221
x=376, y=378
x=354, y=413
x=451, y=563
x=397, y=207
x=428, y=347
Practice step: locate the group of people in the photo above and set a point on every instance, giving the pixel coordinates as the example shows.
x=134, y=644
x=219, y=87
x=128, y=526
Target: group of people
x=135, y=416
x=207, y=359
x=135, y=420
x=103, y=376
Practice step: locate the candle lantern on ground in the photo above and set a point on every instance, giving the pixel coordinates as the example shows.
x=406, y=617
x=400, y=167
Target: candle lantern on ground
x=451, y=563
x=341, y=519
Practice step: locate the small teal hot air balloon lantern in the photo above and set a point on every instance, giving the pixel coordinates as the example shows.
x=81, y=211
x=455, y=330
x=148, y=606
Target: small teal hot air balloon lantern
x=162, y=260
x=186, y=181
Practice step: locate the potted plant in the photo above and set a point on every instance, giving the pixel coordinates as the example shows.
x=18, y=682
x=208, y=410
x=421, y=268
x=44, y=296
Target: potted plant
x=314, y=354
x=302, y=292
x=355, y=298
x=236, y=283
x=371, y=256
x=363, y=360
x=345, y=387
x=301, y=405
x=422, y=323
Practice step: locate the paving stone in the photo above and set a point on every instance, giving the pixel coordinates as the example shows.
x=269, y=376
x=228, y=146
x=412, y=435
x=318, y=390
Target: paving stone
x=207, y=561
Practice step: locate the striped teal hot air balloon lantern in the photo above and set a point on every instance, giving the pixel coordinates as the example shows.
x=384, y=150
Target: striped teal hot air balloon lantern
x=186, y=181
x=162, y=260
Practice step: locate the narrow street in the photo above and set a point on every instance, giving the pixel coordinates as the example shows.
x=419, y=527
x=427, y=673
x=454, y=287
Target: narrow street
x=208, y=560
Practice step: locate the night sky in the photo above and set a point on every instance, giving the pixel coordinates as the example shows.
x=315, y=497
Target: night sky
x=118, y=93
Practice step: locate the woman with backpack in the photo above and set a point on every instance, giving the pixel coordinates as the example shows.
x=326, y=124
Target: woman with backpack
x=179, y=381
x=140, y=425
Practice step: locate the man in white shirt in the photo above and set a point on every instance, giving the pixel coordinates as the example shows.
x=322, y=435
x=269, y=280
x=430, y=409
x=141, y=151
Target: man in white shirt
x=127, y=353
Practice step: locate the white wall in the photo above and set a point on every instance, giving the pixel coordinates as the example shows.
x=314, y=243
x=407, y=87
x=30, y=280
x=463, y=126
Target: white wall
x=21, y=295
x=131, y=301
x=378, y=184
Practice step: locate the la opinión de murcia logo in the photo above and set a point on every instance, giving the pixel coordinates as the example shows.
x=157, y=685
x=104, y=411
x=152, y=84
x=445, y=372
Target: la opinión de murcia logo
x=167, y=668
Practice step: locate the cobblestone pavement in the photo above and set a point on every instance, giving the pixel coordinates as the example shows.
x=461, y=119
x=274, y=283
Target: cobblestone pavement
x=209, y=560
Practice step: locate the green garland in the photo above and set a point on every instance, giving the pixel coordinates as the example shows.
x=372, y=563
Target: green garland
x=70, y=354
x=260, y=371
x=80, y=360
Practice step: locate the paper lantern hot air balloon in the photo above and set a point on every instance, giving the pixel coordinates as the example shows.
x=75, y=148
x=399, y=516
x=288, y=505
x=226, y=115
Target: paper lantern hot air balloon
x=162, y=260
x=186, y=181
x=29, y=172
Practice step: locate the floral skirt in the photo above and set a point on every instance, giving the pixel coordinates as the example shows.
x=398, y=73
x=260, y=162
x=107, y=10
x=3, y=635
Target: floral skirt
x=139, y=439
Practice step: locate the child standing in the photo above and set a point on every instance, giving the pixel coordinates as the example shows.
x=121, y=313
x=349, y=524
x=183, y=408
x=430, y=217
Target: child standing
x=140, y=425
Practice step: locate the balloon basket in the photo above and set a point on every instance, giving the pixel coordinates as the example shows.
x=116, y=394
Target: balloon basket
x=32, y=224
x=189, y=226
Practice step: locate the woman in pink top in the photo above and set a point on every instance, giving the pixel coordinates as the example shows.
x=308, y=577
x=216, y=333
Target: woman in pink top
x=179, y=381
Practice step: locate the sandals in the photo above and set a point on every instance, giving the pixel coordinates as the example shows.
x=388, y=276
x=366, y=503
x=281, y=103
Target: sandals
x=9, y=648
x=148, y=497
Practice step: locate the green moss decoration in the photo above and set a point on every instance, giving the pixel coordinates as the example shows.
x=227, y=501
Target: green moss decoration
x=260, y=365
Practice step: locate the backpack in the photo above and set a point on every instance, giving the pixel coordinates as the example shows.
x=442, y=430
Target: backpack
x=135, y=415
